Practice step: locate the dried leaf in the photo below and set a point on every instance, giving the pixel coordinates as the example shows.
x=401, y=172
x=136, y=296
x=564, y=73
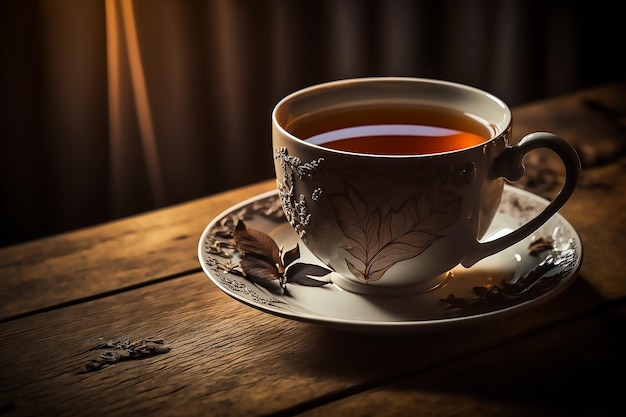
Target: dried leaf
x=533, y=284
x=481, y=291
x=455, y=302
x=262, y=263
x=260, y=269
x=123, y=351
x=290, y=256
x=540, y=245
x=301, y=273
x=253, y=242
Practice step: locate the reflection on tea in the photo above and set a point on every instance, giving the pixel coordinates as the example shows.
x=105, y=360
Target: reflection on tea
x=393, y=130
x=396, y=139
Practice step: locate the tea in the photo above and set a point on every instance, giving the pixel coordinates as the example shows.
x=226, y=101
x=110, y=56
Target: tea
x=392, y=130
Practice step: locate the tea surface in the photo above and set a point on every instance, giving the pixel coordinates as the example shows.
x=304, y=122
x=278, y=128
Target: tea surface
x=392, y=130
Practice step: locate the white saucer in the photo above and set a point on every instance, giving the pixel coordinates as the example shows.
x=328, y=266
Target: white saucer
x=509, y=281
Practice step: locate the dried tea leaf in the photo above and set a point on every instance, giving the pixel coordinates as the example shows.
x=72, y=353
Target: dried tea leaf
x=261, y=261
x=540, y=245
x=122, y=351
x=260, y=269
x=251, y=242
x=481, y=291
x=534, y=283
x=91, y=366
x=301, y=273
x=455, y=302
x=290, y=256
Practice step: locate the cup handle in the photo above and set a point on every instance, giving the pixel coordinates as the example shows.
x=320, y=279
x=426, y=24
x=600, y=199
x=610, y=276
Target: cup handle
x=509, y=165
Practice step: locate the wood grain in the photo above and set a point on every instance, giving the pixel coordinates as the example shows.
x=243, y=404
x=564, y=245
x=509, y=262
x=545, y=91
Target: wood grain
x=112, y=256
x=139, y=277
x=227, y=358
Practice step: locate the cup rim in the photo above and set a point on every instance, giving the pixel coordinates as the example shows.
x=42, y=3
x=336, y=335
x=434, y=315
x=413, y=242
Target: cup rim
x=505, y=123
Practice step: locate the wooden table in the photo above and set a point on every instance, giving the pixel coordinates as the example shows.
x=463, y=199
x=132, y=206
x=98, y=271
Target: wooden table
x=137, y=285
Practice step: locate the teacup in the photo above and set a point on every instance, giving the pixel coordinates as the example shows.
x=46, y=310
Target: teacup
x=392, y=182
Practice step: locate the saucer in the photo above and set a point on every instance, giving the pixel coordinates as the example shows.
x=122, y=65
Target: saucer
x=523, y=275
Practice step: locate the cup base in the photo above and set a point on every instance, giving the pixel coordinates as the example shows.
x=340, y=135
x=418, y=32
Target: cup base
x=391, y=291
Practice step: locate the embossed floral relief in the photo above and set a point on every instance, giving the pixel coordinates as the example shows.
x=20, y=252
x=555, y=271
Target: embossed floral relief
x=378, y=238
x=295, y=206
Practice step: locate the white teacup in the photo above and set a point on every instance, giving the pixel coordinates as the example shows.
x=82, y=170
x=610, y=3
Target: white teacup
x=392, y=182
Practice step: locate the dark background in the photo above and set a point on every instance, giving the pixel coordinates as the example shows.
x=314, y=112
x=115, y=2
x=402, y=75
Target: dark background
x=110, y=110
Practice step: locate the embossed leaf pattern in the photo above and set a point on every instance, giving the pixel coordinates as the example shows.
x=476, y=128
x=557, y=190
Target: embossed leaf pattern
x=380, y=240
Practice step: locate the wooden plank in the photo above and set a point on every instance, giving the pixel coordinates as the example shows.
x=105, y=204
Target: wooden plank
x=572, y=370
x=111, y=256
x=225, y=358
